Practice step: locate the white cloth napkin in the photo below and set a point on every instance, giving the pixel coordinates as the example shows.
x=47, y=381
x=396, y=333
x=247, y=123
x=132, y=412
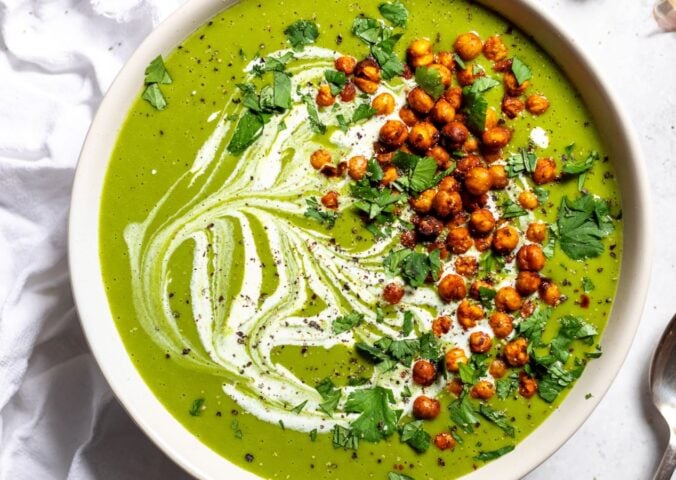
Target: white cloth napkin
x=58, y=417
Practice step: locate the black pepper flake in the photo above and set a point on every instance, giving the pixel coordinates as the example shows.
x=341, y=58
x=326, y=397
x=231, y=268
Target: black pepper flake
x=185, y=351
x=249, y=458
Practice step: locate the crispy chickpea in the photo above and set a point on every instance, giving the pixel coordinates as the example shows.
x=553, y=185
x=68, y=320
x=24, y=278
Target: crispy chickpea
x=424, y=373
x=320, y=158
x=444, y=441
x=393, y=134
x=454, y=97
x=442, y=112
x=545, y=171
x=446, y=59
x=537, y=232
x=409, y=239
x=527, y=282
x=420, y=101
x=512, y=106
x=467, y=163
x=429, y=227
x=426, y=408
x=466, y=266
x=346, y=64
x=383, y=104
x=497, y=368
x=368, y=69
x=537, y=104
x=454, y=357
x=448, y=184
x=496, y=137
x=452, y=287
x=494, y=48
x=324, y=96
x=480, y=342
x=501, y=323
x=408, y=116
x=512, y=86
x=423, y=136
x=516, y=352
x=482, y=221
x=441, y=156
x=454, y=134
x=499, y=177
x=423, y=202
x=549, y=293
x=365, y=85
x=527, y=309
x=393, y=293
x=441, y=325
x=330, y=200
x=478, y=181
x=419, y=53
x=466, y=76
x=455, y=385
x=468, y=46
x=447, y=203
x=349, y=92
x=356, y=167
x=469, y=314
x=459, y=240
x=444, y=73
x=483, y=243
x=505, y=240
x=471, y=145
x=528, y=200
x=390, y=175
x=530, y=257
x=508, y=300
x=483, y=390
x=475, y=289
x=491, y=119
x=527, y=385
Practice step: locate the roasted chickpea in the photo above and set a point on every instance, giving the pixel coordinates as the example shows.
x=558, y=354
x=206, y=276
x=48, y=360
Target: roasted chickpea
x=469, y=314
x=454, y=135
x=383, y=104
x=508, y=300
x=356, y=167
x=408, y=116
x=423, y=136
x=390, y=175
x=512, y=86
x=454, y=97
x=447, y=203
x=466, y=266
x=527, y=309
x=426, y=408
x=528, y=200
x=483, y=390
x=466, y=76
x=423, y=202
x=480, y=342
x=443, y=112
x=441, y=156
x=501, y=323
x=516, y=352
x=537, y=104
x=455, y=385
x=324, y=96
x=483, y=243
x=549, y=293
x=330, y=200
x=478, y=181
x=349, y=92
x=512, y=106
x=441, y=325
x=368, y=69
x=468, y=46
x=467, y=163
x=424, y=373
x=459, y=240
x=494, y=48
x=393, y=134
x=446, y=59
x=491, y=119
x=454, y=357
x=365, y=85
x=346, y=64
x=444, y=441
x=420, y=101
x=444, y=73
x=527, y=282
x=505, y=239
x=527, y=385
x=409, y=239
x=475, y=289
x=320, y=158
x=471, y=145
x=499, y=176
x=419, y=53
x=497, y=368
x=496, y=137
x=482, y=221
x=452, y=287
x=530, y=257
x=448, y=184
x=393, y=293
x=429, y=227
x=545, y=171
x=537, y=232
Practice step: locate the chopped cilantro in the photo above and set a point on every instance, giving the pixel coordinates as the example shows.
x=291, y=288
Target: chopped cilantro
x=413, y=267
x=419, y=173
x=580, y=168
x=486, y=295
x=476, y=107
x=377, y=420
x=532, y=327
x=234, y=426
x=299, y=408
x=555, y=380
x=415, y=436
x=196, y=407
x=389, y=62
x=313, y=434
x=463, y=413
x=281, y=90
x=344, y=438
x=512, y=210
x=362, y=112
x=336, y=79
x=587, y=284
x=571, y=328
x=595, y=354
x=272, y=64
x=521, y=163
x=520, y=70
x=381, y=41
x=542, y=194
x=483, y=84
x=347, y=322
x=153, y=95
x=316, y=212
x=459, y=61
x=490, y=263
x=248, y=129
x=330, y=394
x=582, y=223
x=301, y=33
x=505, y=387
x=395, y=12
x=429, y=79
x=313, y=115
x=498, y=418
x=156, y=72
x=407, y=326
x=492, y=455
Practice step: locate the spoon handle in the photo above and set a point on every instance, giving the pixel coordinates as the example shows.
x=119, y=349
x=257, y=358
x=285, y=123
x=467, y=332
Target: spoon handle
x=666, y=468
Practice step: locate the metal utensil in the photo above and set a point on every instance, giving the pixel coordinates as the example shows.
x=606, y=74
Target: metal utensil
x=663, y=390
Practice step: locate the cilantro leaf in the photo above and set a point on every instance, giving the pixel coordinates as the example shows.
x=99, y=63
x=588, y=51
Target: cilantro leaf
x=415, y=436
x=346, y=322
x=156, y=72
x=459, y=61
x=248, y=129
x=463, y=413
x=520, y=70
x=505, y=387
x=492, y=455
x=407, y=326
x=555, y=379
x=377, y=420
x=520, y=163
x=429, y=79
x=313, y=115
x=490, y=263
x=344, y=438
x=476, y=107
x=413, y=267
x=420, y=172
x=369, y=30
x=483, y=84
x=582, y=224
x=336, y=79
x=153, y=95
x=196, y=407
x=498, y=418
x=572, y=328
x=330, y=394
x=362, y=112
x=587, y=284
x=272, y=64
x=301, y=33
x=512, y=210
x=532, y=327
x=486, y=296
x=390, y=64
x=381, y=41
x=395, y=12
x=281, y=90
x=430, y=348
x=542, y=194
x=316, y=212
x=575, y=168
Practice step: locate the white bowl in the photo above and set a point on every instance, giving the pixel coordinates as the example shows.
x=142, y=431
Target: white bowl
x=197, y=458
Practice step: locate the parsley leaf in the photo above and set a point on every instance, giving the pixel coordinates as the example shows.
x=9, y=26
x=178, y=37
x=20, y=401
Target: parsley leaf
x=330, y=394
x=505, y=387
x=463, y=414
x=153, y=95
x=363, y=112
x=301, y=33
x=413, y=267
x=196, y=407
x=419, y=172
x=394, y=12
x=315, y=211
x=156, y=72
x=492, y=455
x=415, y=436
x=520, y=163
x=572, y=328
x=429, y=79
x=336, y=79
x=346, y=322
x=344, y=438
x=498, y=418
x=248, y=129
x=582, y=224
x=377, y=420
x=520, y=70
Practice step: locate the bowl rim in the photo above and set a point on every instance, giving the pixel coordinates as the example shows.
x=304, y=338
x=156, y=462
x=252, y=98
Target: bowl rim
x=197, y=458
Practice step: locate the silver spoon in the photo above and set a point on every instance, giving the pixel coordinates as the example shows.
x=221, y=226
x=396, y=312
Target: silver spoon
x=663, y=389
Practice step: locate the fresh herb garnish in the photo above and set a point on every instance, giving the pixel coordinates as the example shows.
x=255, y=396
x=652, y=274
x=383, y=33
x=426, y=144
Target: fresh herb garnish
x=505, y=387
x=346, y=322
x=313, y=115
x=498, y=418
x=542, y=194
x=395, y=12
x=234, y=426
x=196, y=407
x=377, y=420
x=520, y=163
x=389, y=352
x=299, y=408
x=301, y=33
x=572, y=328
x=153, y=95
x=272, y=64
x=555, y=379
x=486, y=296
x=330, y=394
x=344, y=438
x=582, y=224
x=418, y=173
x=459, y=61
x=520, y=70
x=316, y=212
x=512, y=210
x=413, y=267
x=156, y=72
x=463, y=413
x=492, y=455
x=532, y=327
x=313, y=434
x=490, y=263
x=587, y=284
x=336, y=80
x=362, y=112
x=429, y=79
x=381, y=41
x=415, y=436
x=407, y=326
x=398, y=476
x=571, y=167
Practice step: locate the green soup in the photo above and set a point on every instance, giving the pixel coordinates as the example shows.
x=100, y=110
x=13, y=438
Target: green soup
x=236, y=298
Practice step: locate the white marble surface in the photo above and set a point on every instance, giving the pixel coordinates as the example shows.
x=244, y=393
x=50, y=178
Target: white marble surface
x=47, y=97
